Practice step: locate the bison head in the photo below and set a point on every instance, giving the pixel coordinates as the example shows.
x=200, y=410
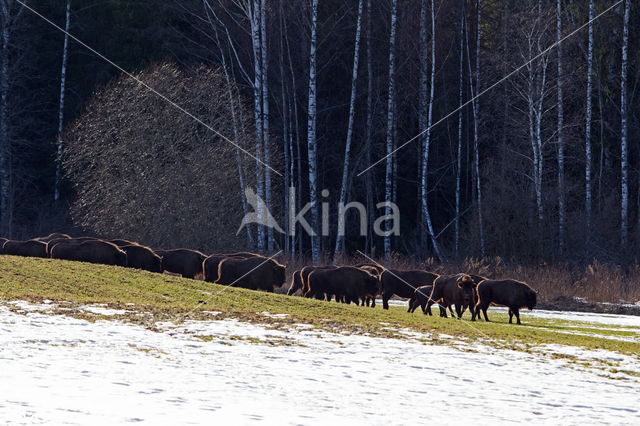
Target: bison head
x=467, y=285
x=279, y=273
x=372, y=285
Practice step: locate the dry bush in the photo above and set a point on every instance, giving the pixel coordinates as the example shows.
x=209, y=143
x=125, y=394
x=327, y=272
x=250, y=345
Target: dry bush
x=145, y=171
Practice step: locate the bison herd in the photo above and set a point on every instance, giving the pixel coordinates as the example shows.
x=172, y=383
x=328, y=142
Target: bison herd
x=360, y=284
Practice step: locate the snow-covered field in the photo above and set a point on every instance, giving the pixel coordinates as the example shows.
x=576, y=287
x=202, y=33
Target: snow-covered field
x=61, y=370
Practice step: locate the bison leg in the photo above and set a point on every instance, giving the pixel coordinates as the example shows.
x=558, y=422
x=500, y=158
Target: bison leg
x=373, y=302
x=459, y=311
x=516, y=312
x=385, y=300
x=484, y=312
x=451, y=311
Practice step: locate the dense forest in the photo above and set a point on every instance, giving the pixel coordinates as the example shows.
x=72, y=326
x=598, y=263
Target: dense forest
x=499, y=128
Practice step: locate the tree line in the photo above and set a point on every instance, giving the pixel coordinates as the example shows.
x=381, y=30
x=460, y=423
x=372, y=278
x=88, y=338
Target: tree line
x=499, y=128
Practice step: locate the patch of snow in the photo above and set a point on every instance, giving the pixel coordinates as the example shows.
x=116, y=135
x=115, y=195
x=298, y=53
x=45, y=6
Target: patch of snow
x=100, y=310
x=58, y=369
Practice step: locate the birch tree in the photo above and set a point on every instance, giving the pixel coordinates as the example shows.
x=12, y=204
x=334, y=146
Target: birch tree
x=264, y=62
x=63, y=81
x=624, y=154
x=427, y=90
x=311, y=135
x=560, y=131
x=347, y=147
x=369, y=131
x=476, y=133
x=588, y=115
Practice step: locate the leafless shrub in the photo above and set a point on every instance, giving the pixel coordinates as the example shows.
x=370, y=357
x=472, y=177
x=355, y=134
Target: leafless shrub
x=144, y=170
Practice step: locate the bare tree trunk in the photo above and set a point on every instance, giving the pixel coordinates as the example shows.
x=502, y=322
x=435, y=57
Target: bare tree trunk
x=311, y=135
x=560, y=131
x=369, y=134
x=459, y=152
x=63, y=81
x=257, y=96
x=426, y=107
x=347, y=147
x=476, y=134
x=265, y=115
x=390, y=120
x=5, y=137
x=588, y=117
x=624, y=154
x=236, y=135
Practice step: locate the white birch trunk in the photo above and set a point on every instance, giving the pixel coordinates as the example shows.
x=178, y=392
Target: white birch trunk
x=588, y=117
x=311, y=135
x=369, y=134
x=63, y=81
x=426, y=106
x=257, y=96
x=476, y=134
x=347, y=147
x=390, y=121
x=624, y=154
x=265, y=115
x=560, y=132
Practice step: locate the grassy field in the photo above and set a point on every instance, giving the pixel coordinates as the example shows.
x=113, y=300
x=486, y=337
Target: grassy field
x=149, y=297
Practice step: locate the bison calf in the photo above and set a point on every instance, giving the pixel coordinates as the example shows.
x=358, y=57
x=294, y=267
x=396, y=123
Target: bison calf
x=511, y=293
x=421, y=297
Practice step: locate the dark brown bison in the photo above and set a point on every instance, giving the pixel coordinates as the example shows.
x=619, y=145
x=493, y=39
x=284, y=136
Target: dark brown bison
x=123, y=243
x=346, y=283
x=303, y=282
x=455, y=290
x=211, y=263
x=53, y=236
x=296, y=282
x=376, y=271
x=421, y=297
x=141, y=257
x=91, y=251
x=511, y=293
x=52, y=243
x=185, y=262
x=403, y=283
x=254, y=273
x=30, y=248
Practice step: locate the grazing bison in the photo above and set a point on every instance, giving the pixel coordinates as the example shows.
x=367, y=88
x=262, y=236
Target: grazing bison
x=52, y=243
x=458, y=290
x=123, y=243
x=421, y=297
x=141, y=257
x=91, y=251
x=185, y=262
x=304, y=279
x=30, y=248
x=346, y=283
x=53, y=236
x=403, y=283
x=296, y=282
x=511, y=293
x=254, y=273
x=211, y=263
